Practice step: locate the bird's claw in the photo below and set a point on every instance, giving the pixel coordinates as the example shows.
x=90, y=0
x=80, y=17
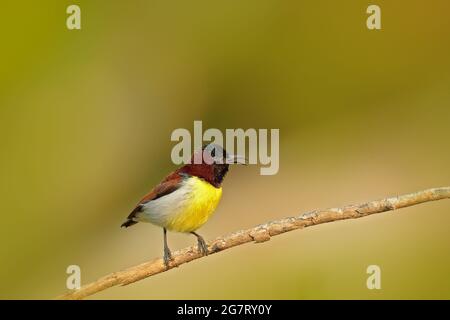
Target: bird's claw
x=167, y=257
x=202, y=247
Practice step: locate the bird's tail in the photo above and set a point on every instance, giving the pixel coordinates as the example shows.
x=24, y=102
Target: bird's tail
x=128, y=223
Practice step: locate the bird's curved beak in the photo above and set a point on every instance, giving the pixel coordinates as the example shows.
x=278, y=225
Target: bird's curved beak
x=237, y=159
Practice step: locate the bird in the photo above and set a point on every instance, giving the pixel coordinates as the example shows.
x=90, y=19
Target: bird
x=185, y=199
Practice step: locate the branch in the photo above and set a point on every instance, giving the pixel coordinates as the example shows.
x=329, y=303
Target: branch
x=260, y=233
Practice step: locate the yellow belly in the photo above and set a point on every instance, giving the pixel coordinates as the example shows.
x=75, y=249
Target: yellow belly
x=197, y=209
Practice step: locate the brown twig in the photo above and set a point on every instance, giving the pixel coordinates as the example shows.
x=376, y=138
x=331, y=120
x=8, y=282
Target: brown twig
x=260, y=233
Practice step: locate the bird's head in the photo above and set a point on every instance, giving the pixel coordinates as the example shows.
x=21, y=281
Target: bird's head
x=211, y=163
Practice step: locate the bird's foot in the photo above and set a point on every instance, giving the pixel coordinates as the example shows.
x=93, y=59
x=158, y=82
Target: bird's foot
x=202, y=247
x=167, y=257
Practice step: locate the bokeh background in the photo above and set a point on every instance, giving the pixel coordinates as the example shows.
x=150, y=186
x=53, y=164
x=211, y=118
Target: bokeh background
x=86, y=118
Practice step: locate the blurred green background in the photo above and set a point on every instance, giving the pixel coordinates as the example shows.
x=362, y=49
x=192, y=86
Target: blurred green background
x=86, y=118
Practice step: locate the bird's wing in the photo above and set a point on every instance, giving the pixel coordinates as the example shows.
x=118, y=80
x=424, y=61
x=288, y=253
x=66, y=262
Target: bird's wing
x=167, y=186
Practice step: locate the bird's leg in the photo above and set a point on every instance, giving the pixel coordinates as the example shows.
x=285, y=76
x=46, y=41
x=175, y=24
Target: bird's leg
x=167, y=253
x=202, y=247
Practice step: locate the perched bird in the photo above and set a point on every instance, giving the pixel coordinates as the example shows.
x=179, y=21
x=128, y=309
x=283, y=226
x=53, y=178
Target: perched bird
x=187, y=197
